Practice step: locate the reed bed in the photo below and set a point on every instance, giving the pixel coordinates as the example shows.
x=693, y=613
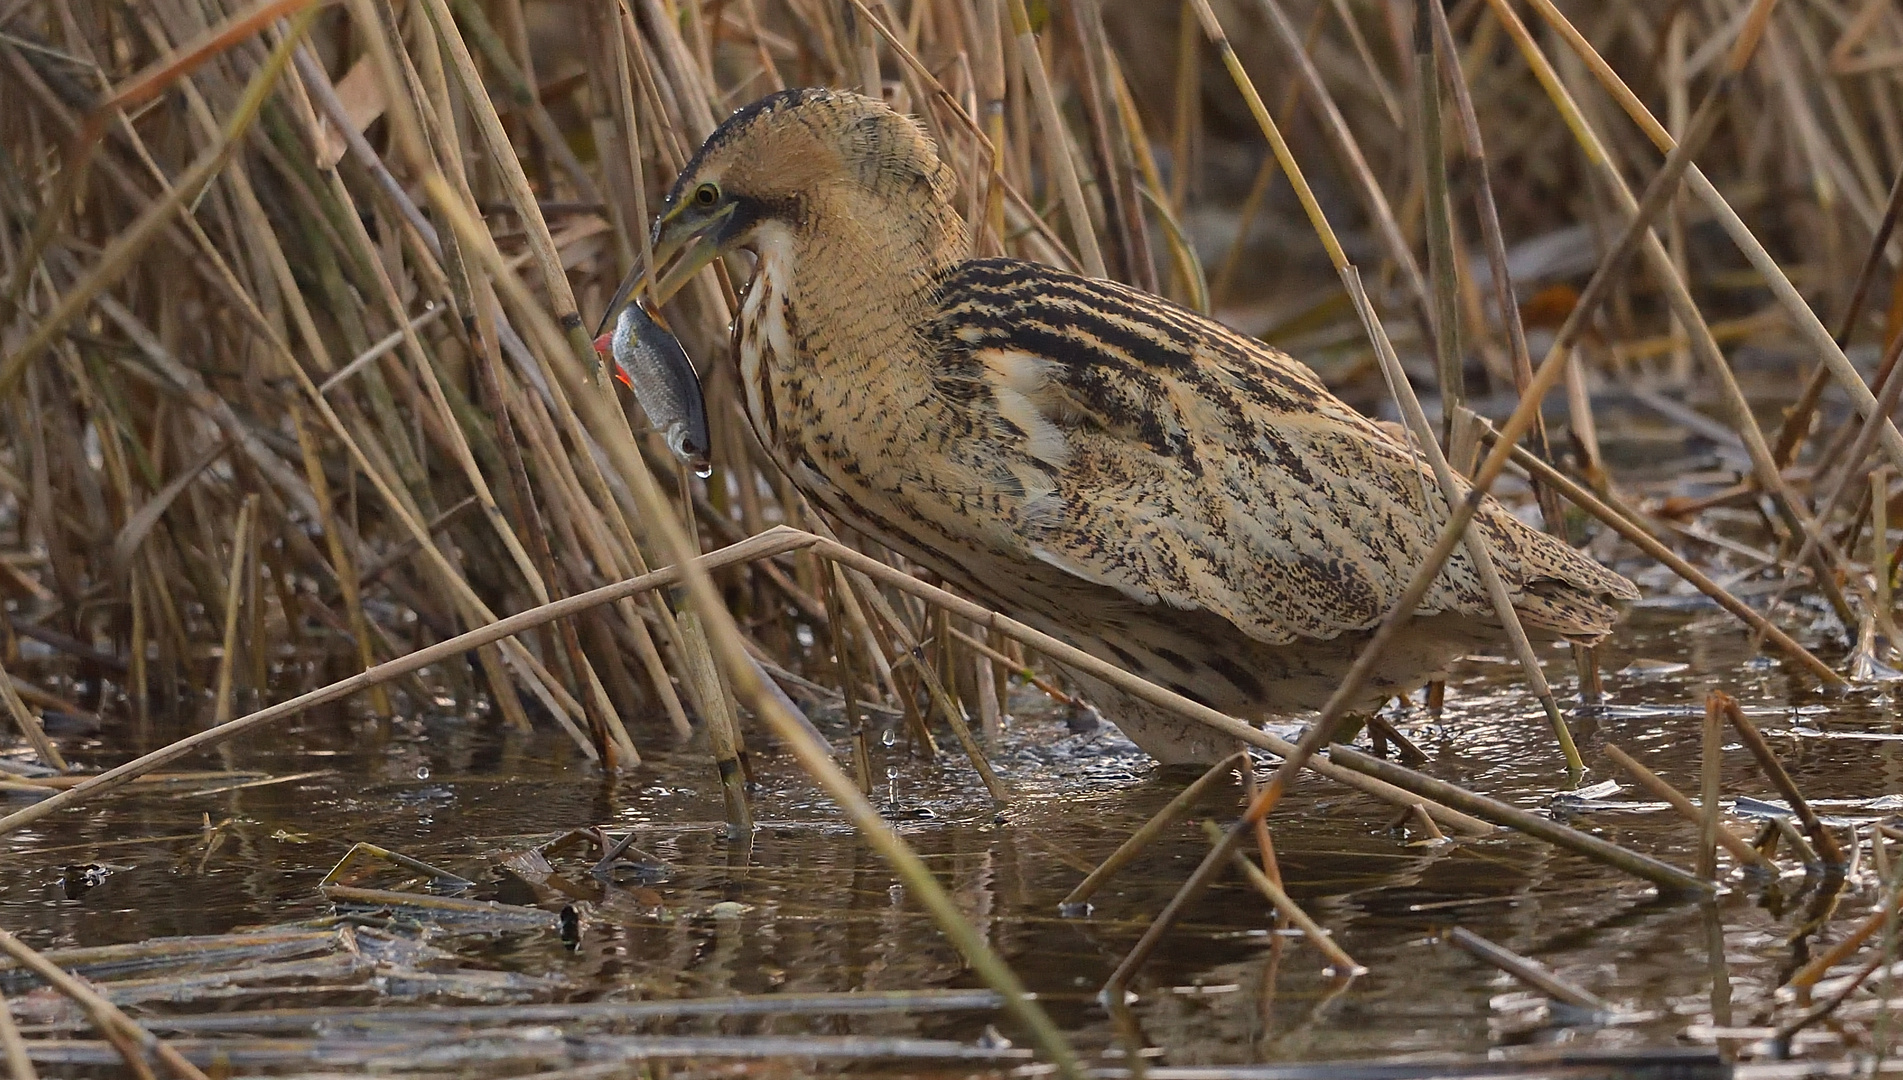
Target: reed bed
x=297, y=400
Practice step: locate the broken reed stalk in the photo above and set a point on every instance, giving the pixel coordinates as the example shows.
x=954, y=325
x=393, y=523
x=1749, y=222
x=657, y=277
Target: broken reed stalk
x=444, y=905
x=365, y=852
x=1668, y=878
x=1339, y=962
x=1659, y=789
x=1529, y=971
x=132, y=1040
x=1710, y=780
x=717, y=714
x=1172, y=812
x=1820, y=835
x=428, y=1017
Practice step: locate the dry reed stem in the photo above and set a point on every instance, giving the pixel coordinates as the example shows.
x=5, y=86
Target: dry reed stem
x=1657, y=786
x=141, y=88
x=1531, y=972
x=125, y=1033
x=766, y=545
x=1057, y=141
x=228, y=656
x=1339, y=962
x=1639, y=212
x=1335, y=126
x=1853, y=454
x=1321, y=731
x=117, y=260
x=1442, y=264
x=1797, y=420
x=905, y=643
x=1668, y=878
x=722, y=725
x=1487, y=210
x=1822, y=1010
x=1819, y=833
x=13, y=1047
x=1146, y=834
x=364, y=852
x=1008, y=666
x=672, y=92
x=1710, y=781
x=29, y=725
x=1803, y=317
x=1398, y=384
x=1476, y=545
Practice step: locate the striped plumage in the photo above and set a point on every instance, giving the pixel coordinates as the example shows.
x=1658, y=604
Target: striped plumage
x=1116, y=470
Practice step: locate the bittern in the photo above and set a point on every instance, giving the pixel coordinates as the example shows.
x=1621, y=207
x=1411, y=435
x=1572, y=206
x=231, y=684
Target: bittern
x=1117, y=471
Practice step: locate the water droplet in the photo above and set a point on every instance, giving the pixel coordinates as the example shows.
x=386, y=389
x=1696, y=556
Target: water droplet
x=890, y=738
x=422, y=772
x=891, y=772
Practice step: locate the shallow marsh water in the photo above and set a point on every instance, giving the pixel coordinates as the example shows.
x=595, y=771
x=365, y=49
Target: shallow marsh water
x=806, y=906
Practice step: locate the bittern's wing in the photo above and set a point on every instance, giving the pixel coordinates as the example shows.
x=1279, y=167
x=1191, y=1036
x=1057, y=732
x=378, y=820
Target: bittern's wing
x=1194, y=467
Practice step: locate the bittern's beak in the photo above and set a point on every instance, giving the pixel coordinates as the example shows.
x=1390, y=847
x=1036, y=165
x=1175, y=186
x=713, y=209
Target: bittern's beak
x=683, y=227
x=697, y=238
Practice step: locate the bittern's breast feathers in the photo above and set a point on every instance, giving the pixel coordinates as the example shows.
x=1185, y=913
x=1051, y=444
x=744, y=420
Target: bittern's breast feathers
x=1194, y=467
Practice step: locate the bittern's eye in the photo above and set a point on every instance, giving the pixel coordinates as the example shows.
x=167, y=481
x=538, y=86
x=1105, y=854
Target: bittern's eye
x=706, y=195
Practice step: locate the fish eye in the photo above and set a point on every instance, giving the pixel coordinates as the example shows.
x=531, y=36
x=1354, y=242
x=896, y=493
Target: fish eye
x=706, y=195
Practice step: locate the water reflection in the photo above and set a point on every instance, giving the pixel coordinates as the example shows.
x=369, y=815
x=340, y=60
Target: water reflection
x=803, y=907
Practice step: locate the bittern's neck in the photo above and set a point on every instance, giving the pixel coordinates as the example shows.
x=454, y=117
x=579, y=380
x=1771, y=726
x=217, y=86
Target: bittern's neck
x=864, y=275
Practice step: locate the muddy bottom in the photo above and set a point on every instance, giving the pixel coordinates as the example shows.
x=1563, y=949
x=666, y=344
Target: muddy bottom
x=804, y=907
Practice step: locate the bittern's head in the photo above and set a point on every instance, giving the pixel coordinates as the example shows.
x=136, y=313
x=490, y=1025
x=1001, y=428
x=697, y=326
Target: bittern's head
x=806, y=163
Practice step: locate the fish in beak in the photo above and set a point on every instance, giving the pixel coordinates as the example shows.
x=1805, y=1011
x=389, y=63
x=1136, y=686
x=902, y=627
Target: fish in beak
x=648, y=359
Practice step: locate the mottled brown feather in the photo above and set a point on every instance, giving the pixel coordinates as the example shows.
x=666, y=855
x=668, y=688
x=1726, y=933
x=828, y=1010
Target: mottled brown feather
x=1119, y=471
